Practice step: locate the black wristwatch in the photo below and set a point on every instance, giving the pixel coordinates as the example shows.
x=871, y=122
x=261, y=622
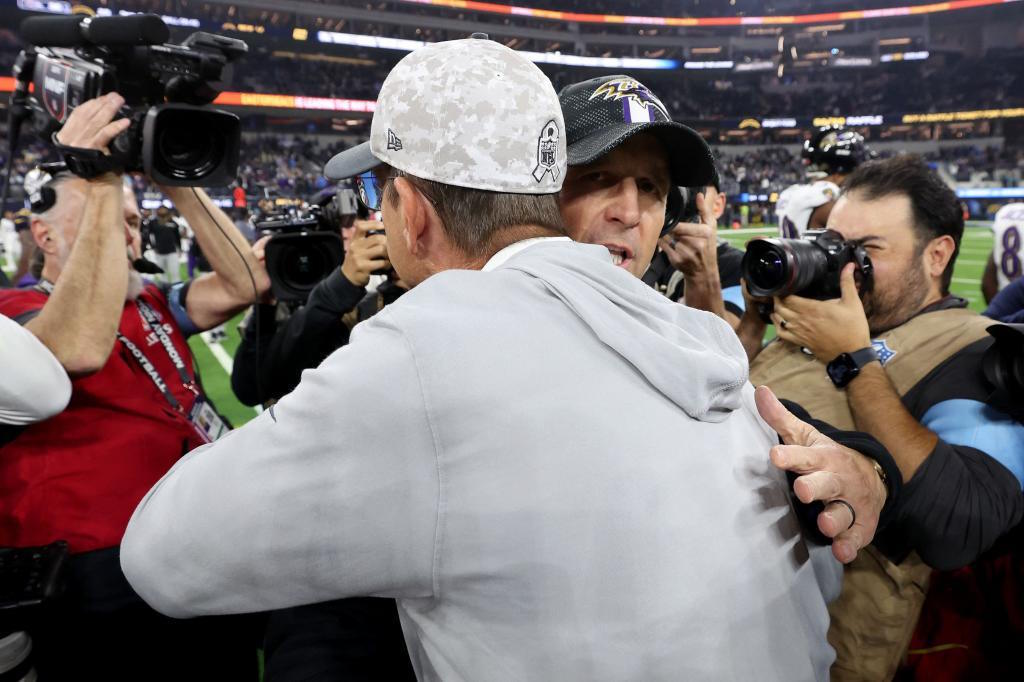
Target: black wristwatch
x=843, y=369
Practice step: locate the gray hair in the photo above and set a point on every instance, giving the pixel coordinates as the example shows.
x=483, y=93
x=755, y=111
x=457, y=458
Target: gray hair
x=476, y=219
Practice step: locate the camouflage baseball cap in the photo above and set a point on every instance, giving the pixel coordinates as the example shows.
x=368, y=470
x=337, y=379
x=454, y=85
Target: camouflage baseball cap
x=602, y=113
x=470, y=113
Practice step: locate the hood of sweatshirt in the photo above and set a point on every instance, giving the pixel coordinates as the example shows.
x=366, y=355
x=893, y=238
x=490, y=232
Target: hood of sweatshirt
x=692, y=357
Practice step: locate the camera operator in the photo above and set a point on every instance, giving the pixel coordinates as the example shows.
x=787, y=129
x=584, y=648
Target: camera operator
x=705, y=270
x=293, y=340
x=356, y=638
x=901, y=361
x=136, y=407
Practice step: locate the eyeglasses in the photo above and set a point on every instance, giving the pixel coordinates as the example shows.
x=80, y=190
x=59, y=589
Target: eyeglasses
x=371, y=189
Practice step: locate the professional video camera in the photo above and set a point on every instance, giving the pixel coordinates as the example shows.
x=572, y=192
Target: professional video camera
x=174, y=138
x=306, y=244
x=808, y=267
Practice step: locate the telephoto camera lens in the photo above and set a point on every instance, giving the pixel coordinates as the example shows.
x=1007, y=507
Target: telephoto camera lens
x=781, y=267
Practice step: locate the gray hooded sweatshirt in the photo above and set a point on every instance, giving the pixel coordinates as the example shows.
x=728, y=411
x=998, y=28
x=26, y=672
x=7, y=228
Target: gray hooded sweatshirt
x=558, y=473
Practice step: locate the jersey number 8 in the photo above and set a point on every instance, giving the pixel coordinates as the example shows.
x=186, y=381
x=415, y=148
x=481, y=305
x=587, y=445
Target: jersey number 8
x=1010, y=261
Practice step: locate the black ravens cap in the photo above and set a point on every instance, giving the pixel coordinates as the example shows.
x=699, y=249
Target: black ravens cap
x=602, y=113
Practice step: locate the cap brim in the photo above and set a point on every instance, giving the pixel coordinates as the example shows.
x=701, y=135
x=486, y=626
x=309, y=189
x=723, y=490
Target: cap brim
x=689, y=155
x=351, y=162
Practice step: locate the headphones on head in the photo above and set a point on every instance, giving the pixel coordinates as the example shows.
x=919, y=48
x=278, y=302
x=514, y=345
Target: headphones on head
x=38, y=188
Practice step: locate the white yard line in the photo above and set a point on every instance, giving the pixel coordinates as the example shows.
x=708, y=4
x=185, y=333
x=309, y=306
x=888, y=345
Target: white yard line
x=218, y=352
x=223, y=359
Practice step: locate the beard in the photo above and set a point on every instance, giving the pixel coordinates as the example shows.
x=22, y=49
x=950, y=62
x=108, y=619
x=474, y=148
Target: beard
x=135, y=286
x=890, y=307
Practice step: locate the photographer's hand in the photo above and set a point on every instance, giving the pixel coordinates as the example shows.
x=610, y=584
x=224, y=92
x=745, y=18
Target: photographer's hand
x=751, y=328
x=91, y=124
x=259, y=251
x=367, y=253
x=692, y=248
x=826, y=328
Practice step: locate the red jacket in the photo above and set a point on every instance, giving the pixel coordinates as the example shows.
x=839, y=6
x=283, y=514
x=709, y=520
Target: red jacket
x=79, y=475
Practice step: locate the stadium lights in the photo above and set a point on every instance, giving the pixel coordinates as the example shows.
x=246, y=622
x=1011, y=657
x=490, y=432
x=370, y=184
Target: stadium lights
x=825, y=28
x=713, y=22
x=277, y=101
x=760, y=65
x=904, y=56
x=872, y=120
x=61, y=7
x=726, y=64
x=991, y=193
x=169, y=20
x=405, y=45
x=852, y=61
x=954, y=116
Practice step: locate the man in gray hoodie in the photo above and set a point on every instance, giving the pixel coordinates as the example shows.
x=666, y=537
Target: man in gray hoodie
x=519, y=493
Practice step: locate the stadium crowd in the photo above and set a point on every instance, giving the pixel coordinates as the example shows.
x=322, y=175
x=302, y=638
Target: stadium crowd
x=523, y=413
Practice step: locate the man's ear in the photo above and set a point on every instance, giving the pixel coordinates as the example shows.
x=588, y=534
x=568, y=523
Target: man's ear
x=42, y=234
x=937, y=255
x=418, y=216
x=719, y=207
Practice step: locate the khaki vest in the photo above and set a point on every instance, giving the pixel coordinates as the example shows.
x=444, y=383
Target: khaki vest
x=874, y=617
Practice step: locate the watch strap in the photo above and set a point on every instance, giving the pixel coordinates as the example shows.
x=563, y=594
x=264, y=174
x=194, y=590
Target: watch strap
x=864, y=356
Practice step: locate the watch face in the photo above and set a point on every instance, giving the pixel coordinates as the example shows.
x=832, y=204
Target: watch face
x=841, y=370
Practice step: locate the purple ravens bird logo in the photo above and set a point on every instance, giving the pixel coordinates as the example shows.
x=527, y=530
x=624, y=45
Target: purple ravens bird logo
x=639, y=105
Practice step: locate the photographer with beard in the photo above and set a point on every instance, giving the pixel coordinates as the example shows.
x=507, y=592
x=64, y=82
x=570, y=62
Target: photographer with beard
x=136, y=408
x=902, y=361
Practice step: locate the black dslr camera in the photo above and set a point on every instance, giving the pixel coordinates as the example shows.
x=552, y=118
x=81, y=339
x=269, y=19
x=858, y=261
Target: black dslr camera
x=808, y=267
x=306, y=245
x=174, y=137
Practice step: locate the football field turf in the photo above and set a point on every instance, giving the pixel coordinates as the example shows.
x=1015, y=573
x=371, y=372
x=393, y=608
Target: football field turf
x=213, y=358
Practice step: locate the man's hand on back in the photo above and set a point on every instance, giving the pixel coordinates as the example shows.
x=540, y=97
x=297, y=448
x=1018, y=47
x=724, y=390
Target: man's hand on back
x=829, y=472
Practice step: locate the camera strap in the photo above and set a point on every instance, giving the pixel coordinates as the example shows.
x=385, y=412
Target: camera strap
x=86, y=163
x=151, y=321
x=204, y=418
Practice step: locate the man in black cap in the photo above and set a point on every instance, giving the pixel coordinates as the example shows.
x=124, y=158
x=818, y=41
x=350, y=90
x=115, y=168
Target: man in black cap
x=627, y=162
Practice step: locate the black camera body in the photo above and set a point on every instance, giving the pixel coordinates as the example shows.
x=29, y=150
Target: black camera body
x=1003, y=367
x=306, y=246
x=808, y=267
x=175, y=138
